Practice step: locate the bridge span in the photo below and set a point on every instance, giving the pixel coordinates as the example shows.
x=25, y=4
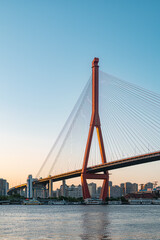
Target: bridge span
x=132, y=117
x=126, y=162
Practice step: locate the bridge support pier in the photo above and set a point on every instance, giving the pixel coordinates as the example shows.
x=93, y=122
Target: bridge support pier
x=25, y=192
x=64, y=188
x=50, y=188
x=95, y=122
x=21, y=192
x=45, y=191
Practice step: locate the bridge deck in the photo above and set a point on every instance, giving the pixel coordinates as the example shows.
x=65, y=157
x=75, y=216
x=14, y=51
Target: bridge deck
x=126, y=162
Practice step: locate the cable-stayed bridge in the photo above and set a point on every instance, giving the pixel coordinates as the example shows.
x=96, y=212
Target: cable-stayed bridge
x=126, y=118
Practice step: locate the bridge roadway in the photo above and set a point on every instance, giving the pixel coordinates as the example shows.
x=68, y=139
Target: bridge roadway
x=126, y=162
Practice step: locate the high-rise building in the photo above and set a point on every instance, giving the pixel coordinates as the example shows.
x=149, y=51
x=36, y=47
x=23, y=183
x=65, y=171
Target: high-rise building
x=39, y=191
x=114, y=192
x=122, y=189
x=29, y=186
x=128, y=187
x=134, y=188
x=92, y=189
x=64, y=189
x=98, y=191
x=79, y=191
x=58, y=193
x=72, y=191
x=4, y=186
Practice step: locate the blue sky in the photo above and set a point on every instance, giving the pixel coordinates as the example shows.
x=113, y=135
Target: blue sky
x=46, y=50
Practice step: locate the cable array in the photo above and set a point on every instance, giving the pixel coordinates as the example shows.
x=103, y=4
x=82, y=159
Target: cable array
x=130, y=117
x=65, y=148
x=130, y=122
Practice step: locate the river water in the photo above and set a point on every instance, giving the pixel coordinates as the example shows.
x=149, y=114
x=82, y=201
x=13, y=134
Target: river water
x=120, y=222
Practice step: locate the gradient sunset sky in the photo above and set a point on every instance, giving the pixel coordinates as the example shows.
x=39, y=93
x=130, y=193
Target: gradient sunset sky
x=46, y=50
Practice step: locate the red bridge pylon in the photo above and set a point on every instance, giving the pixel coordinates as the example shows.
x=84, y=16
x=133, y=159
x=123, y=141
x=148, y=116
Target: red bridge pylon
x=95, y=122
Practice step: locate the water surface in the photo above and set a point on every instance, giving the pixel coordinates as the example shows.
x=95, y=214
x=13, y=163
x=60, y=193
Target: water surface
x=79, y=222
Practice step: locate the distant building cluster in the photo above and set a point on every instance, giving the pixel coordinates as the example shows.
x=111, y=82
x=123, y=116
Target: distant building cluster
x=4, y=186
x=68, y=191
x=40, y=190
x=76, y=191
x=113, y=191
x=124, y=188
x=147, y=191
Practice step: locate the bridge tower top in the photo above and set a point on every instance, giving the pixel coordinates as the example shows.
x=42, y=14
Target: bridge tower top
x=95, y=62
x=95, y=93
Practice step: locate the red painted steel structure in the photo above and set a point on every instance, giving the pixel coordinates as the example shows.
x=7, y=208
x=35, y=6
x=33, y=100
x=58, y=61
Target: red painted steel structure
x=95, y=122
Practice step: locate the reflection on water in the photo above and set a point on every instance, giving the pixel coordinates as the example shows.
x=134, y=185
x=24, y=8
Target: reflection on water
x=79, y=222
x=94, y=227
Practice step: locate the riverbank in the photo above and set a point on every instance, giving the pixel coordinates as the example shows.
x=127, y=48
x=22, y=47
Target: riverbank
x=90, y=202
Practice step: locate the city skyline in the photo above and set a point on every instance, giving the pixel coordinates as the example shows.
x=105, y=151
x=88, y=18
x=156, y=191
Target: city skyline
x=75, y=191
x=43, y=57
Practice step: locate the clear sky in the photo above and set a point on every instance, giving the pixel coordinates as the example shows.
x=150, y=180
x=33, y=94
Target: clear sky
x=46, y=50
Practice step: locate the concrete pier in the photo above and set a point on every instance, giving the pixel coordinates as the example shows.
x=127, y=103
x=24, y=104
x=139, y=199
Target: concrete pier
x=64, y=188
x=50, y=188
